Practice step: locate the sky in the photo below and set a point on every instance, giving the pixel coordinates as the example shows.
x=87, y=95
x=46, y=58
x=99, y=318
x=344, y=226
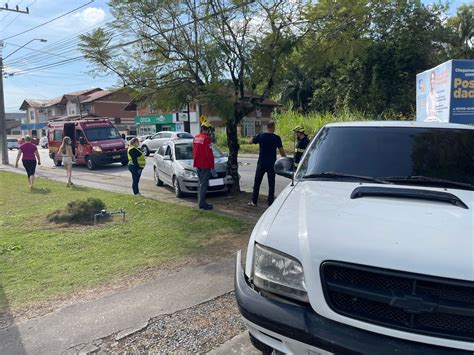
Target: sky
x=61, y=36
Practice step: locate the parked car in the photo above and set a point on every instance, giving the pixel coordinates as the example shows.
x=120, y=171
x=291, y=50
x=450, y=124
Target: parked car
x=173, y=166
x=12, y=143
x=141, y=139
x=43, y=142
x=370, y=251
x=154, y=143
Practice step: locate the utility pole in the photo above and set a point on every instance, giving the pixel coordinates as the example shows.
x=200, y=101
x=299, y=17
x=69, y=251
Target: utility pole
x=3, y=123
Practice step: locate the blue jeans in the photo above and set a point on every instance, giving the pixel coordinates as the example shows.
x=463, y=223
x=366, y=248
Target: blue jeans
x=136, y=173
x=203, y=182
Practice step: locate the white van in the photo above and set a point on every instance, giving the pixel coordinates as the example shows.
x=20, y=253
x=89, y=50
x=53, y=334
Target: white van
x=371, y=250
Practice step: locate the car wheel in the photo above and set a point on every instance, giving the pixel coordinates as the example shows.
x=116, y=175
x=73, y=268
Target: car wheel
x=90, y=164
x=177, y=188
x=146, y=151
x=158, y=182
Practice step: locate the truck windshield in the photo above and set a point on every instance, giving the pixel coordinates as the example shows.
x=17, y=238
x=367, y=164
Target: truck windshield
x=102, y=133
x=400, y=155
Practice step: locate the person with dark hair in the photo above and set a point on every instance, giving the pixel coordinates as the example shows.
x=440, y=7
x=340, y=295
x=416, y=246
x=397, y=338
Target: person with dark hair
x=136, y=164
x=269, y=142
x=203, y=162
x=29, y=160
x=301, y=145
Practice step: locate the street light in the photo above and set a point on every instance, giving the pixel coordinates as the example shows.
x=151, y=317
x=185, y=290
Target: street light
x=3, y=124
x=27, y=43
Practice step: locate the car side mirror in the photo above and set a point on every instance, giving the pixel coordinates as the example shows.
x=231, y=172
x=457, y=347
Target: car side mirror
x=82, y=140
x=167, y=157
x=284, y=167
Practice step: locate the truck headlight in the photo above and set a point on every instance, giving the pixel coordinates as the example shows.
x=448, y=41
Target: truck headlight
x=189, y=174
x=96, y=148
x=278, y=273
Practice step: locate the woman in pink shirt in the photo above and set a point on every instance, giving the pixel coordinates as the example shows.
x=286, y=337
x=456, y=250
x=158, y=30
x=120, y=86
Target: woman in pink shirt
x=30, y=156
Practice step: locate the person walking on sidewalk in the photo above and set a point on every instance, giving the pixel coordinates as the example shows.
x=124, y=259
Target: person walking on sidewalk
x=136, y=164
x=203, y=162
x=65, y=150
x=30, y=157
x=269, y=142
x=300, y=147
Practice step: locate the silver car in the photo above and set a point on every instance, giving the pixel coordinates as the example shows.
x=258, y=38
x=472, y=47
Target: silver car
x=173, y=166
x=12, y=143
x=154, y=143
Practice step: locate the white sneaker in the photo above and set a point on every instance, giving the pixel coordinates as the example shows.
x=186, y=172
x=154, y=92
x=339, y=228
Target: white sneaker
x=252, y=204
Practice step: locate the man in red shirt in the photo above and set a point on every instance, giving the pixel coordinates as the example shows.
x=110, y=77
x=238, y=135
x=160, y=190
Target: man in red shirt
x=204, y=162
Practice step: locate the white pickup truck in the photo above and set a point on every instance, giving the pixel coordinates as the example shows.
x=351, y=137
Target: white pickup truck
x=371, y=249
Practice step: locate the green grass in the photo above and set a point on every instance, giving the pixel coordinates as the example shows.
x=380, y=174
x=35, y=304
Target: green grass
x=40, y=261
x=286, y=121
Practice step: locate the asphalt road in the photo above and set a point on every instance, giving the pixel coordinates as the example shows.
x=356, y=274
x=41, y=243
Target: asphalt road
x=247, y=168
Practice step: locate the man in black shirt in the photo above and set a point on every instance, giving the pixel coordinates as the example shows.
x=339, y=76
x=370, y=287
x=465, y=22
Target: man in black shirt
x=303, y=142
x=269, y=142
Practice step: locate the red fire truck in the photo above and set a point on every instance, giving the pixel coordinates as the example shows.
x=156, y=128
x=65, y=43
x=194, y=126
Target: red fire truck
x=95, y=141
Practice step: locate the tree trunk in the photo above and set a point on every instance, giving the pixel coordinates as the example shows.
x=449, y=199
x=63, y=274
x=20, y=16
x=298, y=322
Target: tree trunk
x=233, y=145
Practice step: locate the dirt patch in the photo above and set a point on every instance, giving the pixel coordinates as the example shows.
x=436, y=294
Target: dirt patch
x=197, y=329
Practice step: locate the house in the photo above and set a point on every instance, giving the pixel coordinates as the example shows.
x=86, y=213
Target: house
x=13, y=123
x=96, y=101
x=150, y=120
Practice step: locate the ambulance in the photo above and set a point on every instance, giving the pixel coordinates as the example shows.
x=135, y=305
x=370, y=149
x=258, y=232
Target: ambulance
x=95, y=141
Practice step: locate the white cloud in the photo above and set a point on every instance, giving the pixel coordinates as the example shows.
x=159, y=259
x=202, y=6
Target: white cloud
x=90, y=16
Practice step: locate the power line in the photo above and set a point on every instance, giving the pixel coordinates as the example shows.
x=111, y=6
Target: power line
x=45, y=23
x=13, y=20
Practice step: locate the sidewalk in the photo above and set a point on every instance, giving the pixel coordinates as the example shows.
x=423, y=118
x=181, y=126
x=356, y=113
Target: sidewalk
x=124, y=311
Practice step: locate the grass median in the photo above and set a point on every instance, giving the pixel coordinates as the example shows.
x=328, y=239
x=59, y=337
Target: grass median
x=41, y=261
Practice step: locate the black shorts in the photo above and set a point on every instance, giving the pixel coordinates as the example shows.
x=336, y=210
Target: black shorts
x=30, y=167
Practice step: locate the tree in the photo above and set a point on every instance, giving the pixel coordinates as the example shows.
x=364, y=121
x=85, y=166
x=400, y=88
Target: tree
x=462, y=33
x=220, y=52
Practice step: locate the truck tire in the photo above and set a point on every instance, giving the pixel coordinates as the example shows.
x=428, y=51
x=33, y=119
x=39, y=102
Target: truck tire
x=57, y=162
x=90, y=164
x=264, y=348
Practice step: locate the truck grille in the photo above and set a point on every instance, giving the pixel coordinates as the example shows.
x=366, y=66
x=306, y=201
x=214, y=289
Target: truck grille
x=414, y=303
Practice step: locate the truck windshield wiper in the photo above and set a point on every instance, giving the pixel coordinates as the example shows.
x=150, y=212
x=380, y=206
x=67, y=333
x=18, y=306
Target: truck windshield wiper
x=427, y=179
x=335, y=175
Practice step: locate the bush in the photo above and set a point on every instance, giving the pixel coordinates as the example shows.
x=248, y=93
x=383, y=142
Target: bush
x=78, y=212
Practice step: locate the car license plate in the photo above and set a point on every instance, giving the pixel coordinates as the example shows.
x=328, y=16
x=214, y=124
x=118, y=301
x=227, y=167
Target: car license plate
x=116, y=157
x=216, y=182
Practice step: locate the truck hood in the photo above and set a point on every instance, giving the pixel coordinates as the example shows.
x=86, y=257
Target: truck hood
x=110, y=144
x=318, y=221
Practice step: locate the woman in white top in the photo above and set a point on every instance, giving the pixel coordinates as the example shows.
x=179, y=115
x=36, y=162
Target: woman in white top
x=65, y=150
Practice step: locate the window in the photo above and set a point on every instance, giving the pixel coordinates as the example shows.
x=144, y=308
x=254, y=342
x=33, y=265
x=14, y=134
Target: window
x=167, y=135
x=184, y=151
x=185, y=135
x=118, y=120
x=79, y=134
x=32, y=115
x=58, y=136
x=161, y=151
x=385, y=152
x=168, y=151
x=103, y=133
x=50, y=112
x=157, y=136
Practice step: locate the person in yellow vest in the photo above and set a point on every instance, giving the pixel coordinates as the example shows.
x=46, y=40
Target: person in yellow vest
x=136, y=163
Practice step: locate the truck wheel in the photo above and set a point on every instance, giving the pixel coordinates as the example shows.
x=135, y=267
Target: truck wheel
x=146, y=151
x=177, y=188
x=90, y=164
x=264, y=348
x=158, y=182
x=57, y=162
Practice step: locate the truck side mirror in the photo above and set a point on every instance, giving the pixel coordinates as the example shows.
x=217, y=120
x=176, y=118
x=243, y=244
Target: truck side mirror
x=82, y=140
x=284, y=167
